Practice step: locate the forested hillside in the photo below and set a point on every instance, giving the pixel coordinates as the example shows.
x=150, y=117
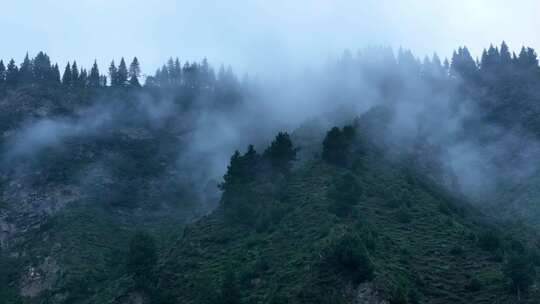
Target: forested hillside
x=376, y=178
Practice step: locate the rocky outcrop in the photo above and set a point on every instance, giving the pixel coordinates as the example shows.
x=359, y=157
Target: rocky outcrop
x=39, y=278
x=368, y=294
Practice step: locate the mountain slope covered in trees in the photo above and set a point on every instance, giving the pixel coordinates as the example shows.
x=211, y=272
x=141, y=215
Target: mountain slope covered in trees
x=326, y=232
x=428, y=197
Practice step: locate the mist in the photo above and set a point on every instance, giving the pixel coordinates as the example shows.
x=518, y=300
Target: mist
x=201, y=138
x=324, y=61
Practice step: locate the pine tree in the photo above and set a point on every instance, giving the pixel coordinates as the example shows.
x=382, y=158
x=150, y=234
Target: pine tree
x=55, y=77
x=42, y=68
x=207, y=76
x=2, y=72
x=527, y=59
x=83, y=78
x=171, y=71
x=134, y=73
x=113, y=74
x=463, y=65
x=505, y=56
x=25, y=72
x=93, y=79
x=493, y=58
x=337, y=145
x=67, y=78
x=281, y=152
x=12, y=73
x=75, y=74
x=122, y=76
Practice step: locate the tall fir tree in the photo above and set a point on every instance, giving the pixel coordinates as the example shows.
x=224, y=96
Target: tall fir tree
x=55, y=75
x=83, y=78
x=2, y=72
x=93, y=78
x=134, y=73
x=67, y=77
x=122, y=76
x=527, y=59
x=42, y=68
x=506, y=57
x=281, y=152
x=113, y=74
x=463, y=65
x=12, y=73
x=25, y=72
x=75, y=74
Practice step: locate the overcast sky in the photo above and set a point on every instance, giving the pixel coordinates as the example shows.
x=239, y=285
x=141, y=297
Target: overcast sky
x=257, y=35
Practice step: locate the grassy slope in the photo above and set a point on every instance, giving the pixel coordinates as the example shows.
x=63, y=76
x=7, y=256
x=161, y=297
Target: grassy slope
x=431, y=249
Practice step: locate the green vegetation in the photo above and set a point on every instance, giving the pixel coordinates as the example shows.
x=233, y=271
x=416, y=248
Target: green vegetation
x=380, y=223
x=142, y=258
x=337, y=145
x=360, y=211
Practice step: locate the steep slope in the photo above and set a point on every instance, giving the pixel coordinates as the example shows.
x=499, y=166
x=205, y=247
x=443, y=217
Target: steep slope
x=424, y=245
x=78, y=181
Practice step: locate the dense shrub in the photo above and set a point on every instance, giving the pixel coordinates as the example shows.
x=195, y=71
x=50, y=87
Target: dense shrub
x=489, y=241
x=344, y=193
x=520, y=271
x=337, y=145
x=142, y=258
x=229, y=292
x=349, y=256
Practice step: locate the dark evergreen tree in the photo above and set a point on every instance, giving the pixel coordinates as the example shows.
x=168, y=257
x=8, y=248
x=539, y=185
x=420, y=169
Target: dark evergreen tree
x=122, y=75
x=527, y=59
x=26, y=71
x=337, y=145
x=134, y=73
x=94, y=77
x=12, y=73
x=2, y=72
x=281, y=152
x=113, y=75
x=206, y=75
x=67, y=77
x=83, y=78
x=55, y=75
x=242, y=169
x=491, y=60
x=42, y=68
x=171, y=70
x=463, y=65
x=75, y=76
x=506, y=57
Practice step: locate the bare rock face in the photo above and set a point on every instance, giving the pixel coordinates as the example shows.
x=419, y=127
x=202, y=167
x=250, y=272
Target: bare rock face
x=368, y=294
x=39, y=278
